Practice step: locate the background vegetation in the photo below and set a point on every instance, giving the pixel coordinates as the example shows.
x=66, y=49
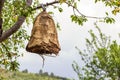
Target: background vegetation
x=101, y=56
x=103, y=61
x=24, y=75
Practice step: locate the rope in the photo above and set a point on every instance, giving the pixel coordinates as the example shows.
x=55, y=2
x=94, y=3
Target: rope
x=43, y=7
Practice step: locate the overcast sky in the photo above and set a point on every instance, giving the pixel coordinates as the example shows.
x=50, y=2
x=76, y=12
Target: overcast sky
x=71, y=35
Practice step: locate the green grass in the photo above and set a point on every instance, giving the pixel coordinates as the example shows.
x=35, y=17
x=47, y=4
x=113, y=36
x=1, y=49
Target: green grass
x=8, y=75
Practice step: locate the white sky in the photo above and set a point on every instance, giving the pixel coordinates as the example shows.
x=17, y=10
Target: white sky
x=70, y=36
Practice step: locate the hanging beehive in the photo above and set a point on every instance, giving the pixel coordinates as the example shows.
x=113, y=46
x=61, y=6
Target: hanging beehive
x=44, y=39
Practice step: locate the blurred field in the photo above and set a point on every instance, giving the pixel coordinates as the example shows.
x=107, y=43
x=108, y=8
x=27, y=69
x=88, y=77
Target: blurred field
x=9, y=75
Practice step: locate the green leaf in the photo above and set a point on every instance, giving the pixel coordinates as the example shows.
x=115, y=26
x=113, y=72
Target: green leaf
x=75, y=5
x=78, y=19
x=50, y=12
x=109, y=20
x=62, y=1
x=60, y=9
x=58, y=26
x=106, y=13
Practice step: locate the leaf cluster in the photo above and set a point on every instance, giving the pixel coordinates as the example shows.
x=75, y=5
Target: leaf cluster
x=9, y=49
x=101, y=59
x=78, y=19
x=112, y=3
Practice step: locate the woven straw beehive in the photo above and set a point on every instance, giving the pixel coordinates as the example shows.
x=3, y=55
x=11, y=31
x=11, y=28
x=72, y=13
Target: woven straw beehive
x=44, y=39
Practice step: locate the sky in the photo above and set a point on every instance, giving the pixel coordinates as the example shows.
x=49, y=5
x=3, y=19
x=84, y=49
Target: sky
x=70, y=36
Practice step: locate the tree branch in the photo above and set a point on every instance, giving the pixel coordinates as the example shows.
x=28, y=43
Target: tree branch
x=1, y=6
x=21, y=19
x=54, y=2
x=16, y=26
x=74, y=8
x=13, y=29
x=47, y=4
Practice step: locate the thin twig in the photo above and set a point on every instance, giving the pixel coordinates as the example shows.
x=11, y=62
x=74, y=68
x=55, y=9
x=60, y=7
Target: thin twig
x=74, y=8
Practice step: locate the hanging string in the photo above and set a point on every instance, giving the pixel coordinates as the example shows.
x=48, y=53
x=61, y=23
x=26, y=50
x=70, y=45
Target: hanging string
x=42, y=56
x=43, y=7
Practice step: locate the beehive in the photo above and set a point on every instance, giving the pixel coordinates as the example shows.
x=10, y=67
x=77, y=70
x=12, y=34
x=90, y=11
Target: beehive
x=44, y=38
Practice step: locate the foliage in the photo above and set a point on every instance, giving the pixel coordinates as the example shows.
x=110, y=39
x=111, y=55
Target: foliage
x=78, y=19
x=25, y=71
x=7, y=75
x=12, y=9
x=101, y=56
x=101, y=59
x=115, y=4
x=109, y=20
x=9, y=49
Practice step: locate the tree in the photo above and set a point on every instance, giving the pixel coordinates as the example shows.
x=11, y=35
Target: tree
x=12, y=36
x=101, y=56
x=52, y=74
x=25, y=71
x=41, y=71
x=101, y=59
x=45, y=74
x=16, y=12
